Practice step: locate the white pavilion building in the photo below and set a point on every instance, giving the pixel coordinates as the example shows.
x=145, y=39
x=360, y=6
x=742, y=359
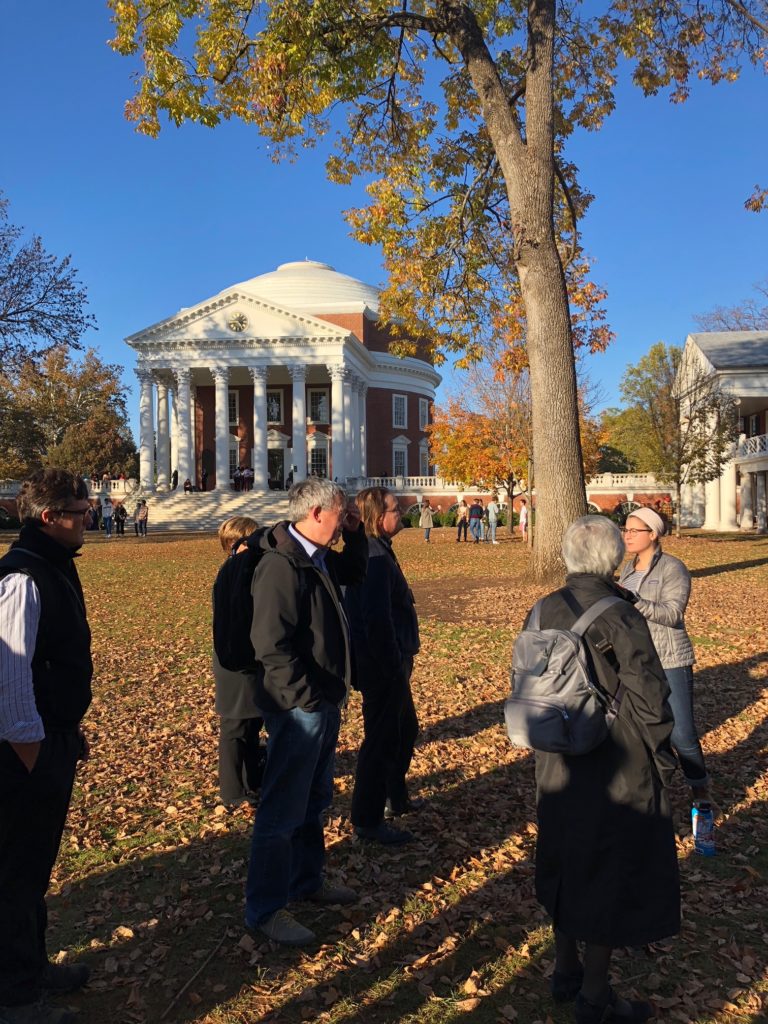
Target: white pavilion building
x=287, y=373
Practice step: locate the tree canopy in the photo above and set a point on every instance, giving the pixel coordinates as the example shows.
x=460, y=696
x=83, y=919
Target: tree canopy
x=59, y=412
x=42, y=304
x=749, y=315
x=458, y=116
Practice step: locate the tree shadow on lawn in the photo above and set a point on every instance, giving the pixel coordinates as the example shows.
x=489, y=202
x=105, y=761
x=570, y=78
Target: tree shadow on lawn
x=717, y=570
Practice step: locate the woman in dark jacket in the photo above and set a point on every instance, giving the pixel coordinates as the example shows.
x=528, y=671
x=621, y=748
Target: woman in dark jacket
x=385, y=638
x=606, y=865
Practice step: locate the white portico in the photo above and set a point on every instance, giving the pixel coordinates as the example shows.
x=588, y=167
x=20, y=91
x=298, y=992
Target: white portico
x=279, y=375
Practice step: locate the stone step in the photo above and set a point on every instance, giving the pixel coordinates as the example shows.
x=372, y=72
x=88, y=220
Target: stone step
x=207, y=510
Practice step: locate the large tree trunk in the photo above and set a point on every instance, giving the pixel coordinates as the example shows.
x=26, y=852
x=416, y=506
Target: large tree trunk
x=529, y=173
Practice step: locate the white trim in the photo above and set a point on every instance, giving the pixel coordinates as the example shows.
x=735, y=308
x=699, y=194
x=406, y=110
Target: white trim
x=325, y=391
x=317, y=440
x=399, y=449
x=423, y=413
x=404, y=424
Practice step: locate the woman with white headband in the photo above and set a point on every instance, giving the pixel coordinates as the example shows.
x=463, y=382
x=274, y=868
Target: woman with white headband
x=662, y=584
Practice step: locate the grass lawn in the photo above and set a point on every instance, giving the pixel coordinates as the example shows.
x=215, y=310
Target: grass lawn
x=149, y=884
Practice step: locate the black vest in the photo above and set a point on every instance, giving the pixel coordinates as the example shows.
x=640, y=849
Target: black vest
x=61, y=664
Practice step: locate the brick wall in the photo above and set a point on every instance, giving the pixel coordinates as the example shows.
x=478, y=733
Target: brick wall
x=381, y=433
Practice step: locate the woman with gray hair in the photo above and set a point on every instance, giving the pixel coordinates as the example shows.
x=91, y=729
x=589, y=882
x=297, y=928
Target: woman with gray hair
x=662, y=584
x=606, y=864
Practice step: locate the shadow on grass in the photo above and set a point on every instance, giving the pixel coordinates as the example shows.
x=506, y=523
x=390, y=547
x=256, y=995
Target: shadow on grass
x=717, y=570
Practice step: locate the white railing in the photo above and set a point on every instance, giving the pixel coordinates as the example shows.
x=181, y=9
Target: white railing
x=757, y=445
x=9, y=488
x=415, y=483
x=620, y=481
x=99, y=487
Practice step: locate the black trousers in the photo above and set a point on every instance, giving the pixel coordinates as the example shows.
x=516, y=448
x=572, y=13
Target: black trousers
x=33, y=809
x=390, y=731
x=462, y=524
x=241, y=758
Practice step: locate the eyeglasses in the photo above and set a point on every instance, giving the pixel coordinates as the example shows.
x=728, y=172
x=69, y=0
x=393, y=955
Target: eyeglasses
x=632, y=532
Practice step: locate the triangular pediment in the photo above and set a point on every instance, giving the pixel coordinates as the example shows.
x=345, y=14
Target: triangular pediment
x=234, y=316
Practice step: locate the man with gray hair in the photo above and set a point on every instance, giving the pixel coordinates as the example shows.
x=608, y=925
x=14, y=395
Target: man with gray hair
x=300, y=637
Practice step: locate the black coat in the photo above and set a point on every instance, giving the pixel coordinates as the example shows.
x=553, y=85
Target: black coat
x=606, y=864
x=300, y=633
x=382, y=618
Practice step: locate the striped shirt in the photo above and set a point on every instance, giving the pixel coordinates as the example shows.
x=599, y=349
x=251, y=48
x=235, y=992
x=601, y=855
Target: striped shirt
x=19, y=619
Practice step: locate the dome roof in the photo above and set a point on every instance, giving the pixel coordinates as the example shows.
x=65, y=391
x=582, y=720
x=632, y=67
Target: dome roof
x=311, y=287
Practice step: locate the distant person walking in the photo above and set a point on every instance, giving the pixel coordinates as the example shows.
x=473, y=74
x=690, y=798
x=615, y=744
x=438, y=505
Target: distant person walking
x=475, y=519
x=492, y=509
x=142, y=515
x=462, y=520
x=426, y=518
x=107, y=512
x=523, y=520
x=121, y=515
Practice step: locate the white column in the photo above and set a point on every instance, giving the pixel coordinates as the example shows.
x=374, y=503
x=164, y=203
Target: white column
x=728, y=497
x=761, y=503
x=146, y=432
x=746, y=502
x=221, y=385
x=299, y=421
x=712, y=505
x=353, y=447
x=362, y=398
x=349, y=445
x=338, y=470
x=259, y=377
x=174, y=429
x=163, y=436
x=185, y=461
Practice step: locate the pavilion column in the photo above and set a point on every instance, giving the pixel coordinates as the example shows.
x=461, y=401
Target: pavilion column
x=163, y=436
x=221, y=385
x=183, y=393
x=761, y=503
x=712, y=505
x=260, y=469
x=728, y=497
x=338, y=470
x=349, y=437
x=299, y=421
x=146, y=432
x=362, y=418
x=174, y=428
x=746, y=502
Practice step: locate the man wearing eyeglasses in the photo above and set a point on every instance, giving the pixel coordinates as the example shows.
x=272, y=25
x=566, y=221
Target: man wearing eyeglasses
x=45, y=689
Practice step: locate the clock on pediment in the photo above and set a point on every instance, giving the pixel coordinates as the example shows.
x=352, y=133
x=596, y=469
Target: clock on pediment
x=238, y=321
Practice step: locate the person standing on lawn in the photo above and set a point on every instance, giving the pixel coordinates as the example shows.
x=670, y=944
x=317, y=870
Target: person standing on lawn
x=45, y=690
x=385, y=639
x=426, y=518
x=475, y=519
x=301, y=643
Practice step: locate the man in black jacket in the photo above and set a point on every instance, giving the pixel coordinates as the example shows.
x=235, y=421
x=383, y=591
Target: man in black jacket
x=45, y=689
x=301, y=642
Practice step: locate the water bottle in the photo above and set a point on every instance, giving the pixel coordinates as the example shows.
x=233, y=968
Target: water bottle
x=703, y=824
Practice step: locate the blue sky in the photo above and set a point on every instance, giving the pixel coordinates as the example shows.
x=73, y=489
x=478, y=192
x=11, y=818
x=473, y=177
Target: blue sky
x=153, y=225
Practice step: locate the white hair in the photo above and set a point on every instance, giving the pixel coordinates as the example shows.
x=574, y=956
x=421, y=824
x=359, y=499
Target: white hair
x=592, y=544
x=314, y=492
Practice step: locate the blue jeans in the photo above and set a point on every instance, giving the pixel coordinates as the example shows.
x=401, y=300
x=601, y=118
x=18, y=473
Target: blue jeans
x=492, y=529
x=685, y=739
x=426, y=532
x=288, y=847
x=474, y=529
x=108, y=526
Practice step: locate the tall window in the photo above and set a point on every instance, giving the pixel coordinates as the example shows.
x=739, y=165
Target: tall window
x=400, y=461
x=399, y=411
x=318, y=461
x=234, y=408
x=319, y=405
x=275, y=406
x=423, y=413
x=423, y=462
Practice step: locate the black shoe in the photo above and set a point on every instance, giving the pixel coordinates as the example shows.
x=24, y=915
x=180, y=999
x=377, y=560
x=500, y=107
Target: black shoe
x=385, y=835
x=411, y=805
x=61, y=978
x=613, y=1008
x=565, y=986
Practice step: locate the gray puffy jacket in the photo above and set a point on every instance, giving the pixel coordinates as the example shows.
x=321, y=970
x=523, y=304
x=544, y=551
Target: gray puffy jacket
x=662, y=598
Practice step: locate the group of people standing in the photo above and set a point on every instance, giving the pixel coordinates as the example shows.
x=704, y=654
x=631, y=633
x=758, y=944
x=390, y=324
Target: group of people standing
x=113, y=517
x=322, y=622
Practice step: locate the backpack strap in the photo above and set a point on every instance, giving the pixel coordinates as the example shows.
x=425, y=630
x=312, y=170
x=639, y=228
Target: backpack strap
x=585, y=620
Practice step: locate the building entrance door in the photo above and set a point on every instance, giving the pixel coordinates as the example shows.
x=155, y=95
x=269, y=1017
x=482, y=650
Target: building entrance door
x=276, y=468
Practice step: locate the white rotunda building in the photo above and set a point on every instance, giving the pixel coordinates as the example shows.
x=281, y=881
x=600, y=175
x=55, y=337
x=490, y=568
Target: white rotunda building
x=288, y=373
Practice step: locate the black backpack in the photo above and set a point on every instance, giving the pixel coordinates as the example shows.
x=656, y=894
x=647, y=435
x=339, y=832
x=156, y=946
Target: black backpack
x=233, y=611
